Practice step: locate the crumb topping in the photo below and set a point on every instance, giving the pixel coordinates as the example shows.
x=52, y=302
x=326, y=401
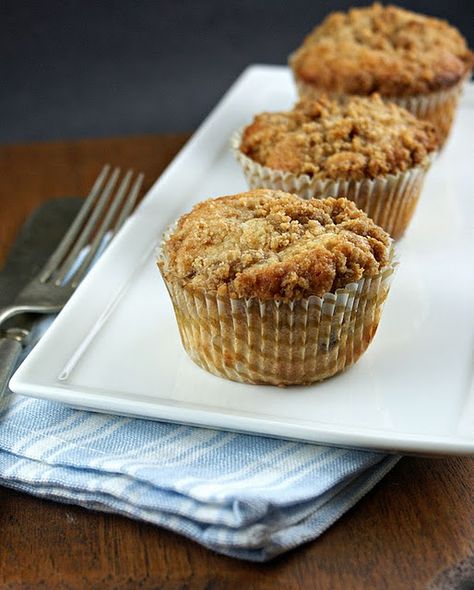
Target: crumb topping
x=362, y=138
x=273, y=245
x=382, y=49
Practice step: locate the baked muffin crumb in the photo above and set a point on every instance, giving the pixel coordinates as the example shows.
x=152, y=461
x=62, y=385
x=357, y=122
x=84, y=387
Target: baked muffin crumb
x=272, y=245
x=362, y=138
x=382, y=49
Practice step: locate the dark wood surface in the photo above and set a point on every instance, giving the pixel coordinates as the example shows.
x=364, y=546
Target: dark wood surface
x=411, y=527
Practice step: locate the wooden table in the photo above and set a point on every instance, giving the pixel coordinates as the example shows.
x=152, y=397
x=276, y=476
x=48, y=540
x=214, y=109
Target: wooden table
x=416, y=523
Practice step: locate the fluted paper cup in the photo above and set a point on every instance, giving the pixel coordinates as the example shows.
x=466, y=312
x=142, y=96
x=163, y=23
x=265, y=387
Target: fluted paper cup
x=390, y=200
x=437, y=107
x=276, y=342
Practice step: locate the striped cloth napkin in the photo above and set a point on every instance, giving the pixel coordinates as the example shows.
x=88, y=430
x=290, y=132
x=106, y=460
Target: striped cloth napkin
x=246, y=496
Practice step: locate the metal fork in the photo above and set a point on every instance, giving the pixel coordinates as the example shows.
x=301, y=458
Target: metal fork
x=49, y=291
x=55, y=283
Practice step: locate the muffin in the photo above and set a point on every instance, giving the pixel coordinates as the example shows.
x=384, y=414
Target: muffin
x=417, y=61
x=269, y=288
x=372, y=152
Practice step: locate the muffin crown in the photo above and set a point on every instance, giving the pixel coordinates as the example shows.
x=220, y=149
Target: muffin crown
x=272, y=245
x=382, y=49
x=361, y=138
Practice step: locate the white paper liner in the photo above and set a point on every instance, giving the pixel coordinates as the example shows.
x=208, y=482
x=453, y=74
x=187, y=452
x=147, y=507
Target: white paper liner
x=279, y=343
x=390, y=201
x=437, y=107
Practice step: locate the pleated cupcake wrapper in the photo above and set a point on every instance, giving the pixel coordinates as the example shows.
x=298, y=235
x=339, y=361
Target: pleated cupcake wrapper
x=390, y=201
x=437, y=107
x=276, y=342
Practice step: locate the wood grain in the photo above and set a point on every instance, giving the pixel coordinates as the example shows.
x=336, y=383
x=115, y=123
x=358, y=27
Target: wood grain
x=31, y=174
x=416, y=523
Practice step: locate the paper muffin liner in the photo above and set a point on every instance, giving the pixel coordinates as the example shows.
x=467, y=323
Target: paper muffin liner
x=276, y=342
x=390, y=200
x=437, y=107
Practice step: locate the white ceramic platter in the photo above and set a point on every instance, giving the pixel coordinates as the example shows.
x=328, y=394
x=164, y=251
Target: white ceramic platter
x=115, y=347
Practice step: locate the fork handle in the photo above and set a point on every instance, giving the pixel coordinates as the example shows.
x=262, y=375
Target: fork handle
x=10, y=349
x=10, y=310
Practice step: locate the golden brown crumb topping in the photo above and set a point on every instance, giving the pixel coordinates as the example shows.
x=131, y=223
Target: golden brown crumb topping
x=382, y=49
x=362, y=138
x=273, y=245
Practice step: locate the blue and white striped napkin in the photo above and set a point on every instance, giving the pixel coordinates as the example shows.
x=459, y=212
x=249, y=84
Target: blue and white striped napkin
x=245, y=496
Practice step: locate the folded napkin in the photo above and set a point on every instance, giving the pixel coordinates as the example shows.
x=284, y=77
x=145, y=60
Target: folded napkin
x=246, y=496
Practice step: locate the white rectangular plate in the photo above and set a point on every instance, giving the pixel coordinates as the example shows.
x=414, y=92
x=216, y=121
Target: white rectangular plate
x=115, y=347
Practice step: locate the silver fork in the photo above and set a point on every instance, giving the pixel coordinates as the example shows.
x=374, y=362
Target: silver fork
x=55, y=283
x=49, y=291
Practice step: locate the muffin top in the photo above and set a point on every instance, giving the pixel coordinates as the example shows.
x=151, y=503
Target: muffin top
x=362, y=138
x=273, y=245
x=382, y=49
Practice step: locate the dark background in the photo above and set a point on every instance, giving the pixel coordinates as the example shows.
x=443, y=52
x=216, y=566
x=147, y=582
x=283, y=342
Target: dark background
x=82, y=68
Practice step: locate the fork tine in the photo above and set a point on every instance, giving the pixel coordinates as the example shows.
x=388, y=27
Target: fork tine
x=130, y=202
x=88, y=229
x=104, y=227
x=55, y=259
